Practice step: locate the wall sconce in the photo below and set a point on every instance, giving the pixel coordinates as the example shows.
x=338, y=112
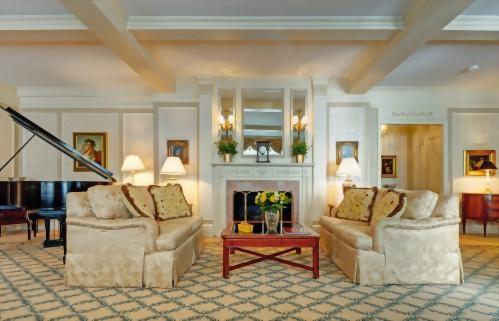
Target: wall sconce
x=226, y=122
x=384, y=130
x=299, y=122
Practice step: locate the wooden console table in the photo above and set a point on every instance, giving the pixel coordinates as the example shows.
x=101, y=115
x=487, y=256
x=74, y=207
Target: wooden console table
x=483, y=207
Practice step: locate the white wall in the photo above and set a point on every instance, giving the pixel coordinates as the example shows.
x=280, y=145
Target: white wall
x=137, y=140
x=8, y=97
x=180, y=123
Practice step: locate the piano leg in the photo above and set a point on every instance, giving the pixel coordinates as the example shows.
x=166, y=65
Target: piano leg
x=29, y=230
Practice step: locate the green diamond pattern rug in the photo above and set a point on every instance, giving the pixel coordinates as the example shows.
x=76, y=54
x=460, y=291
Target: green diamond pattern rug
x=32, y=288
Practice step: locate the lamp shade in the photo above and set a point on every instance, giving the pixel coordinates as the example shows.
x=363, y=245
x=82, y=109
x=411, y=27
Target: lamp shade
x=348, y=166
x=173, y=166
x=132, y=163
x=488, y=165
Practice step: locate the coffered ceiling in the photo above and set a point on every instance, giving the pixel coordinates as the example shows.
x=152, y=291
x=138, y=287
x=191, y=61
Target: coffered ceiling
x=150, y=43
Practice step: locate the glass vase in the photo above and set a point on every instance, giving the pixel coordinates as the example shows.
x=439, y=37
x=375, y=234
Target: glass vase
x=272, y=221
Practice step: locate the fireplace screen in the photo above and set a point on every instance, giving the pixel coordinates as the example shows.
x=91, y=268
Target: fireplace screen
x=253, y=214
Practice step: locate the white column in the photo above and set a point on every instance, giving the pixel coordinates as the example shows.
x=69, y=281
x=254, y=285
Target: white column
x=320, y=150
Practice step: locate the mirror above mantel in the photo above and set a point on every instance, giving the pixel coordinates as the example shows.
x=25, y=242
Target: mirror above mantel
x=262, y=120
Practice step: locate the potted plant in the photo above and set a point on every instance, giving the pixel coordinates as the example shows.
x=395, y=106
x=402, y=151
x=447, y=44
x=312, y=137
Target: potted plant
x=300, y=149
x=270, y=204
x=227, y=148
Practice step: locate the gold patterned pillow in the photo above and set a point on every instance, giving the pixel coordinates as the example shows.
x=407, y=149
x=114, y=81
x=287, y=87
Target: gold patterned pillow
x=393, y=204
x=169, y=201
x=138, y=201
x=357, y=204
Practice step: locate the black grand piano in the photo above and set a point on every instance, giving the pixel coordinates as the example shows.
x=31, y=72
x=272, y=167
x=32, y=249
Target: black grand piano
x=22, y=200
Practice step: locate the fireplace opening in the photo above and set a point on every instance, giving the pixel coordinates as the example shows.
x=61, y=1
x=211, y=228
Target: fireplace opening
x=253, y=213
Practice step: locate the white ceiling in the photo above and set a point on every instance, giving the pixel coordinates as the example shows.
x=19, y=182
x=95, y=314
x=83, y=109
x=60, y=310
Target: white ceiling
x=445, y=64
x=48, y=65
x=245, y=7
x=93, y=65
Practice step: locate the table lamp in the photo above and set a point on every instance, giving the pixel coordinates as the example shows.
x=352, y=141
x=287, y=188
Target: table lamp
x=173, y=167
x=348, y=167
x=487, y=166
x=132, y=163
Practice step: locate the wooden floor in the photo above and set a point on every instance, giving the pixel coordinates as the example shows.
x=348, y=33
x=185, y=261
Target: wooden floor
x=22, y=237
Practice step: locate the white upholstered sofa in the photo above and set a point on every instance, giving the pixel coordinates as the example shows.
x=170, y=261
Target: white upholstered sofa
x=127, y=251
x=402, y=250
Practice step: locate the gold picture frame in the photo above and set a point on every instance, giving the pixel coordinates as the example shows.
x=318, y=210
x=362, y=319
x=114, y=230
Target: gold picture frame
x=346, y=149
x=472, y=159
x=90, y=145
x=388, y=166
x=178, y=148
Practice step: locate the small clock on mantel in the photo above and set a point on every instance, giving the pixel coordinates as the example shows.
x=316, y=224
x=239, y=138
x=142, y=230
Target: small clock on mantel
x=262, y=152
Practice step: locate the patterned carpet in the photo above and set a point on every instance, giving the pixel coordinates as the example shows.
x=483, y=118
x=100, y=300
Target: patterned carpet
x=32, y=288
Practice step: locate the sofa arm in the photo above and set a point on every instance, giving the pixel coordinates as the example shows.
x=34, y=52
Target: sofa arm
x=398, y=228
x=124, y=229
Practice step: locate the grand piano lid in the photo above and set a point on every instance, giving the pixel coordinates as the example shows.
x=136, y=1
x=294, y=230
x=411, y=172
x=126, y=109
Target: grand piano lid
x=59, y=144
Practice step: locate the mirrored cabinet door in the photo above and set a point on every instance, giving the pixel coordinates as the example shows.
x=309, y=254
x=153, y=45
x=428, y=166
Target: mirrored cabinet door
x=262, y=120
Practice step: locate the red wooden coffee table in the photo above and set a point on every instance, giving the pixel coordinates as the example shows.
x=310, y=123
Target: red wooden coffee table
x=293, y=237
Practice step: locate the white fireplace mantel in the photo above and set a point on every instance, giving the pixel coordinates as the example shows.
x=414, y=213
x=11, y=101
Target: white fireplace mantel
x=224, y=172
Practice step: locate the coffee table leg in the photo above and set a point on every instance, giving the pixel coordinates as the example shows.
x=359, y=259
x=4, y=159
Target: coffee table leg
x=315, y=255
x=298, y=250
x=226, y=260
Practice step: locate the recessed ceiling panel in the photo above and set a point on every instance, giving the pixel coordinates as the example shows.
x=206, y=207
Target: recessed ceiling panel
x=31, y=7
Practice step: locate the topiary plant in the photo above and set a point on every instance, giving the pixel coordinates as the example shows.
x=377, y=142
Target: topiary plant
x=300, y=148
x=227, y=147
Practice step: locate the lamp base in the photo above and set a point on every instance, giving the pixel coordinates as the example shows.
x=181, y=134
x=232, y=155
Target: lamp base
x=487, y=191
x=347, y=184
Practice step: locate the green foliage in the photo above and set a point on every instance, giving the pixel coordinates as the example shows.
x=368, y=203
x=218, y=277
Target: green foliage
x=300, y=148
x=271, y=201
x=227, y=147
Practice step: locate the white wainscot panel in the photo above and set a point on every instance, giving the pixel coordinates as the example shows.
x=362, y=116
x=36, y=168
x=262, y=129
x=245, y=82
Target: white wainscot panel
x=138, y=139
x=40, y=160
x=92, y=122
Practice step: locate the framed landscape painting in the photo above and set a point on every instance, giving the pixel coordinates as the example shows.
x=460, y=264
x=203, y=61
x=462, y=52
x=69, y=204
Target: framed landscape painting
x=92, y=146
x=178, y=148
x=473, y=160
x=388, y=166
x=346, y=149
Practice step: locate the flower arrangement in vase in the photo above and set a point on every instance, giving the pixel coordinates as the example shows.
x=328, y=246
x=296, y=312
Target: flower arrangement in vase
x=300, y=149
x=227, y=148
x=271, y=203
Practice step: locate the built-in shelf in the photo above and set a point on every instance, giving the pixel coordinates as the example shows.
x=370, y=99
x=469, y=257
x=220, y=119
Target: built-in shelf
x=264, y=164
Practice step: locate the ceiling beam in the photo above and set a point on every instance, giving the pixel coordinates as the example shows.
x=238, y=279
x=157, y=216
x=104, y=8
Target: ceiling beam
x=108, y=21
x=423, y=19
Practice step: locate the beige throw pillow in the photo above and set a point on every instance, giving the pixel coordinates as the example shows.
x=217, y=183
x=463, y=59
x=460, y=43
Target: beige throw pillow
x=357, y=204
x=138, y=201
x=392, y=204
x=169, y=201
x=420, y=204
x=106, y=203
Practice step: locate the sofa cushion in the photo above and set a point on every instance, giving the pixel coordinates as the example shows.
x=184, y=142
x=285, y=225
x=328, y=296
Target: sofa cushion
x=106, y=203
x=357, y=204
x=138, y=201
x=420, y=204
x=393, y=204
x=77, y=205
x=169, y=201
x=327, y=222
x=447, y=206
x=356, y=236
x=174, y=232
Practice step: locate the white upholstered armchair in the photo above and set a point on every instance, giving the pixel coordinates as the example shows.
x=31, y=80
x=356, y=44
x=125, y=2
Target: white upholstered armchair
x=398, y=250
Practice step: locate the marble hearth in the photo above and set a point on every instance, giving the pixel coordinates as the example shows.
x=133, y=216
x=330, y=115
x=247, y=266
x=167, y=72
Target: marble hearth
x=227, y=178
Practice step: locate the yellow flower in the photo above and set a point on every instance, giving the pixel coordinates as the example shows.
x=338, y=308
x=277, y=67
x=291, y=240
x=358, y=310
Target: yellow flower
x=263, y=197
x=272, y=198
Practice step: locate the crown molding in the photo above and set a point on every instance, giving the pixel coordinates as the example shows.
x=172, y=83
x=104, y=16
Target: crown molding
x=264, y=23
x=474, y=23
x=40, y=22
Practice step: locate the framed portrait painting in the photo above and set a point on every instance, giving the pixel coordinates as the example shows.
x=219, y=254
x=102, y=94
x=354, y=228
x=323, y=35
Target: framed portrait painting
x=178, y=148
x=346, y=149
x=473, y=160
x=92, y=146
x=388, y=166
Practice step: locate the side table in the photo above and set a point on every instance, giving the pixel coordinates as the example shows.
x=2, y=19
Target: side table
x=59, y=215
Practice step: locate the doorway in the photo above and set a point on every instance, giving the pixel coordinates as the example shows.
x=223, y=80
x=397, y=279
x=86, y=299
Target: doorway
x=412, y=157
